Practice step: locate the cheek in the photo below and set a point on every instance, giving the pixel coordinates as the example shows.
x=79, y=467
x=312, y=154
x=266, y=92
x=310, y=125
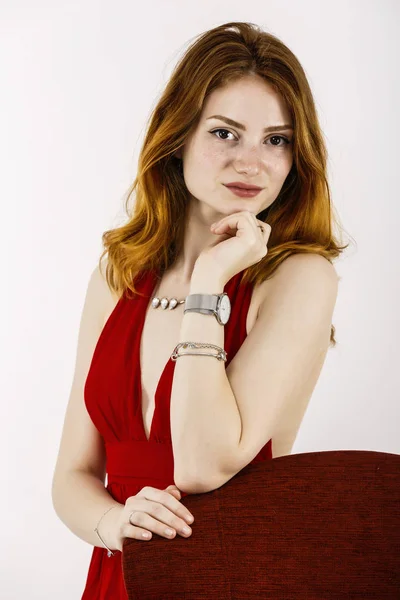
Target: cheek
x=212, y=158
x=280, y=168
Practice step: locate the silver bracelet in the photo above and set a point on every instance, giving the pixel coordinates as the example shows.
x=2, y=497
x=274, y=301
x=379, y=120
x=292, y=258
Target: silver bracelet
x=221, y=354
x=110, y=552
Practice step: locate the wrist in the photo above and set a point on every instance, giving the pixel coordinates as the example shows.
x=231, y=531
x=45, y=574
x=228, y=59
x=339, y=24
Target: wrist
x=108, y=527
x=206, y=279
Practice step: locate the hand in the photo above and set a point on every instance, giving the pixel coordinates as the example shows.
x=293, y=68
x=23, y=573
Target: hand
x=244, y=244
x=153, y=510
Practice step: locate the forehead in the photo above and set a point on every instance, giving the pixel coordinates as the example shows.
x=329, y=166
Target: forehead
x=250, y=100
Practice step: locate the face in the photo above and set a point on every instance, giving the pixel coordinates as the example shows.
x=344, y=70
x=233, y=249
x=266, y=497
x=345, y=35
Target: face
x=217, y=152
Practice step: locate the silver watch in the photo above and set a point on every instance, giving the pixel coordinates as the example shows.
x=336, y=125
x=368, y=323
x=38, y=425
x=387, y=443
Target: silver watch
x=210, y=304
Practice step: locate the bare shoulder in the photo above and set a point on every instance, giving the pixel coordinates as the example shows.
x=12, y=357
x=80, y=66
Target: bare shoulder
x=106, y=297
x=301, y=294
x=82, y=447
x=302, y=268
x=308, y=260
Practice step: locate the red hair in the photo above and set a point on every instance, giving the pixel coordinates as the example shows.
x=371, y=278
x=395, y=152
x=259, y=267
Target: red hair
x=302, y=217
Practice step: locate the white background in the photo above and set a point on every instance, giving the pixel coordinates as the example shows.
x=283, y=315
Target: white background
x=78, y=82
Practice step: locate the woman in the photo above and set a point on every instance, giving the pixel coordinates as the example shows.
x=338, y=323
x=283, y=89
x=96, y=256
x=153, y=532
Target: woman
x=232, y=232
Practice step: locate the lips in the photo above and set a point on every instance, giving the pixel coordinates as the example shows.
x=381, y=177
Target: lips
x=243, y=192
x=242, y=186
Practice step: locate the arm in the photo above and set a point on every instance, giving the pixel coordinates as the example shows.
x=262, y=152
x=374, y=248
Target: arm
x=78, y=492
x=80, y=499
x=221, y=418
x=205, y=420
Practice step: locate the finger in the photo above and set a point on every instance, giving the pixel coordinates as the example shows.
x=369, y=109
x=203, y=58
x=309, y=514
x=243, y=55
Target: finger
x=167, y=514
x=175, y=493
x=163, y=497
x=138, y=533
x=228, y=228
x=165, y=525
x=225, y=230
x=179, y=509
x=264, y=228
x=234, y=217
x=173, y=486
x=173, y=489
x=234, y=222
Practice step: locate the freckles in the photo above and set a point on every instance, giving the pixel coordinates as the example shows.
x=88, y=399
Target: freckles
x=212, y=157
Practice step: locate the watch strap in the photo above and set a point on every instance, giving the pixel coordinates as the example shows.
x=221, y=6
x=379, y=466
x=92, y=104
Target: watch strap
x=202, y=302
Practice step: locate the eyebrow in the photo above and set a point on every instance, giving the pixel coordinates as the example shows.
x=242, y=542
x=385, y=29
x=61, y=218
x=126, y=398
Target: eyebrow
x=240, y=126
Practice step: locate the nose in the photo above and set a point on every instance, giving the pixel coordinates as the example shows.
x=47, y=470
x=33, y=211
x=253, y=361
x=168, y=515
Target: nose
x=247, y=161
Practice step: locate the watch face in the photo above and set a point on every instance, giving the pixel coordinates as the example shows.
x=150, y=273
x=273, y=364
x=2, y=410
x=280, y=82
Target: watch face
x=224, y=309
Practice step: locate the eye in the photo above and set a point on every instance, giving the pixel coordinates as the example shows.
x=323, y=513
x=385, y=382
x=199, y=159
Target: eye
x=224, y=130
x=280, y=137
x=273, y=137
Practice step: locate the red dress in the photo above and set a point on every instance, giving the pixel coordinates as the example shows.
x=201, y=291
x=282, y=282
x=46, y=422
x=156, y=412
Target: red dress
x=113, y=399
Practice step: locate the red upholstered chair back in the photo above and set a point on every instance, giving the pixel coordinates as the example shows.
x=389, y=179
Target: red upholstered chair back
x=313, y=526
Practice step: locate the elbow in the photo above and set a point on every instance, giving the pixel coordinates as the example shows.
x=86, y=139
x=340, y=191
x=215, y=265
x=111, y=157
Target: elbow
x=58, y=489
x=183, y=485
x=189, y=486
x=200, y=486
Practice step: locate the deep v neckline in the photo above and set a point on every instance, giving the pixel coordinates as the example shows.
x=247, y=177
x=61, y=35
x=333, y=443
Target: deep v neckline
x=148, y=289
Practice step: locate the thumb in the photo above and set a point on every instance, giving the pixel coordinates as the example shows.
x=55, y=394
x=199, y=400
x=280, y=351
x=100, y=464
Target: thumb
x=172, y=489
